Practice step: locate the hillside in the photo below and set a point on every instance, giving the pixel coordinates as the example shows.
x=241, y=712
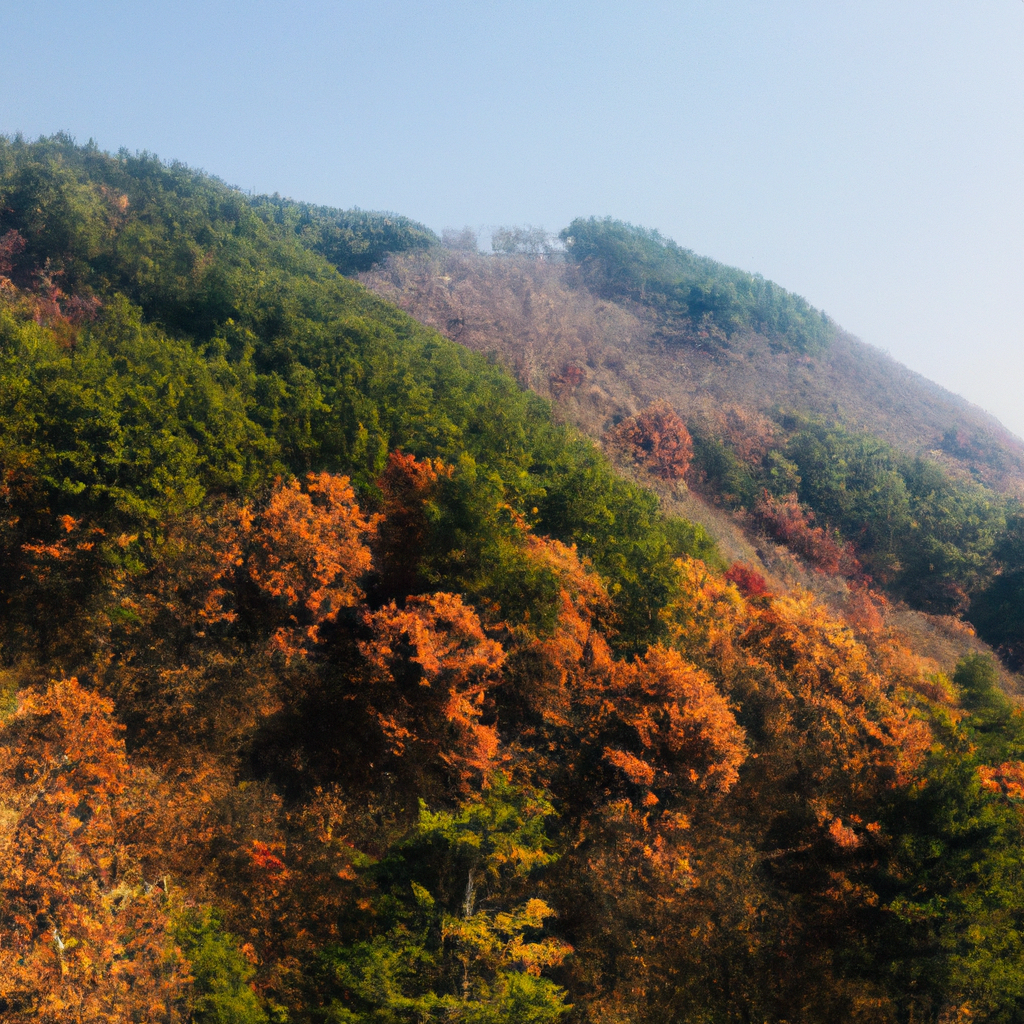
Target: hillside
x=343, y=680
x=926, y=478
x=540, y=316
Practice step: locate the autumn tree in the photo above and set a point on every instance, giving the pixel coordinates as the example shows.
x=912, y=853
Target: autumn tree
x=657, y=440
x=308, y=550
x=431, y=672
x=793, y=524
x=85, y=936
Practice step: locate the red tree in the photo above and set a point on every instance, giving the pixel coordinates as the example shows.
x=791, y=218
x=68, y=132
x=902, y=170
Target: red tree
x=657, y=440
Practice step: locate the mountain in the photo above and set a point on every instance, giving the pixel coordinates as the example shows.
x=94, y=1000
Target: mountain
x=344, y=678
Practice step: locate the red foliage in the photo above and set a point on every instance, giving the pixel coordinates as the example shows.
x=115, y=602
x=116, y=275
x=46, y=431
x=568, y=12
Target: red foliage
x=793, y=524
x=657, y=440
x=12, y=244
x=749, y=582
x=568, y=379
x=264, y=857
x=45, y=301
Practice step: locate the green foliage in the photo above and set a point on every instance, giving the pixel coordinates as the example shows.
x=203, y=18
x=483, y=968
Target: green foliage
x=997, y=610
x=227, y=350
x=129, y=421
x=917, y=529
x=720, y=471
x=957, y=914
x=620, y=527
x=450, y=953
x=221, y=990
x=994, y=725
x=693, y=296
x=934, y=541
x=351, y=240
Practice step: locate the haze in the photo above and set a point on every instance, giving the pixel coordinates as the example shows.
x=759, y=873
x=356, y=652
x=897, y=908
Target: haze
x=867, y=156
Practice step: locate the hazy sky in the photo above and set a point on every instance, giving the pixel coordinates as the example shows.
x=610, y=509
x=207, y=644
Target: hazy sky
x=867, y=155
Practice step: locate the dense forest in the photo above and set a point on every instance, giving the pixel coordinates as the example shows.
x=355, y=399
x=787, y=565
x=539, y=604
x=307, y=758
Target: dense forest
x=342, y=680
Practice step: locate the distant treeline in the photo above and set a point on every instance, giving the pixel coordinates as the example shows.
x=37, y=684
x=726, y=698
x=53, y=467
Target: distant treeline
x=352, y=240
x=693, y=297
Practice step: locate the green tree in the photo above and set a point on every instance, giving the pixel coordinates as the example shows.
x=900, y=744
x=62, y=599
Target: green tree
x=457, y=937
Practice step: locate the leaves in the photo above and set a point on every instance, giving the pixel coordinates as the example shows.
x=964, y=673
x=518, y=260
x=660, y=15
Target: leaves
x=436, y=668
x=309, y=549
x=657, y=440
x=83, y=936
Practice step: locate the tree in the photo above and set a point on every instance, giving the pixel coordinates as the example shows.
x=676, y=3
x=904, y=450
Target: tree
x=431, y=672
x=84, y=936
x=308, y=549
x=409, y=485
x=657, y=440
x=455, y=936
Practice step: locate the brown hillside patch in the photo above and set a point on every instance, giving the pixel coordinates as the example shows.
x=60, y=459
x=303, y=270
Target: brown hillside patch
x=601, y=362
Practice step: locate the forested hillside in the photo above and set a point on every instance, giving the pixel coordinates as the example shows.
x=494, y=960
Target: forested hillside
x=343, y=681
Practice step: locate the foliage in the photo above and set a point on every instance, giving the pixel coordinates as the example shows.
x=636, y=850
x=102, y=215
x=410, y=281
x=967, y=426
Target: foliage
x=695, y=299
x=351, y=240
x=220, y=991
x=656, y=439
x=793, y=524
x=445, y=954
x=267, y=361
x=83, y=936
x=957, y=905
x=397, y=704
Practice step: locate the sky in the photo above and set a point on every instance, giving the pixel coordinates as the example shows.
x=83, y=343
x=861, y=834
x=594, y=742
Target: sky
x=868, y=155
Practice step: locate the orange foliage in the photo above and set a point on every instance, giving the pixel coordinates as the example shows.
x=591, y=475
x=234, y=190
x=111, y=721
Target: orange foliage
x=814, y=699
x=309, y=550
x=863, y=609
x=657, y=440
x=432, y=668
x=674, y=714
x=83, y=937
x=1007, y=778
x=658, y=723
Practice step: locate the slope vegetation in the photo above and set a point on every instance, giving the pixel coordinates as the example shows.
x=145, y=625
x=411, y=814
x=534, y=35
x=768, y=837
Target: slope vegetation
x=341, y=682
x=830, y=436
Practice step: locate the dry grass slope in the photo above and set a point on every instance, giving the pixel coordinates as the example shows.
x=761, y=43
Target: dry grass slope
x=533, y=313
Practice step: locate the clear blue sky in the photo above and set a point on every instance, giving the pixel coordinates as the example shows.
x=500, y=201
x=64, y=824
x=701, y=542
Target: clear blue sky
x=867, y=155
